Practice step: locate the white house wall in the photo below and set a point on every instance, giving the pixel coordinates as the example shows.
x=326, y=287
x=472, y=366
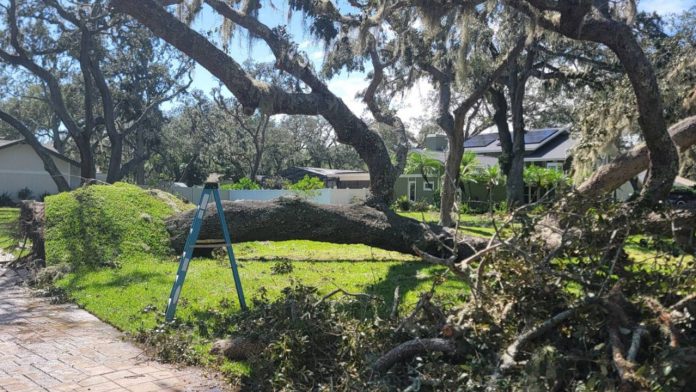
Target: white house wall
x=21, y=167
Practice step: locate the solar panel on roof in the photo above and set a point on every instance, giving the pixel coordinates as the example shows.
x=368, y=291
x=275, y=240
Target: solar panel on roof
x=538, y=136
x=480, y=140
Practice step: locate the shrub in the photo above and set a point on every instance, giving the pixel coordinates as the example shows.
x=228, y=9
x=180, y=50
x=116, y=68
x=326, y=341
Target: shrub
x=6, y=200
x=420, y=206
x=244, y=183
x=24, y=194
x=402, y=203
x=307, y=183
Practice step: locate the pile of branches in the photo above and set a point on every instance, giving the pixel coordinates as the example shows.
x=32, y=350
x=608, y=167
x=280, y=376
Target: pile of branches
x=593, y=311
x=590, y=310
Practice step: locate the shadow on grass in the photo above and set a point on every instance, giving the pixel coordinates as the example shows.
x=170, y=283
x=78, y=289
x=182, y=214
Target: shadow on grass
x=406, y=277
x=78, y=280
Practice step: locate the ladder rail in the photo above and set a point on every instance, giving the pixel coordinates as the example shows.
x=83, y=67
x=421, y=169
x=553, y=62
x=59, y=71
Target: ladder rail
x=210, y=190
x=230, y=251
x=186, y=256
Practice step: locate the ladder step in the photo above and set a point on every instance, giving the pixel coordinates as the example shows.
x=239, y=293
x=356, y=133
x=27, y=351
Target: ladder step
x=210, y=241
x=210, y=244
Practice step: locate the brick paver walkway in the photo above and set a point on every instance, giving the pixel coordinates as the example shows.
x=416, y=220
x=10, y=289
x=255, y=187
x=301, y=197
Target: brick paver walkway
x=49, y=347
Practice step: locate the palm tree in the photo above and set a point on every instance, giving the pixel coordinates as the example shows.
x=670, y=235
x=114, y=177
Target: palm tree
x=468, y=171
x=418, y=163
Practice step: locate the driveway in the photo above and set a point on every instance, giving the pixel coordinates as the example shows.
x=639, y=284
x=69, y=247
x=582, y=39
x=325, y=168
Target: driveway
x=51, y=347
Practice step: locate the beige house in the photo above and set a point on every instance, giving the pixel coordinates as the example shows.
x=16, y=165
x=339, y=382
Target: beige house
x=21, y=167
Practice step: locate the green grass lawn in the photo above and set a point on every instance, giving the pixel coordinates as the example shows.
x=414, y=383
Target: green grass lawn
x=128, y=297
x=472, y=224
x=8, y=230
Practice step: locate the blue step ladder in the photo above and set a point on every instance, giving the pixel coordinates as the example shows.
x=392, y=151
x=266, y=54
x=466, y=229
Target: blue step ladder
x=211, y=189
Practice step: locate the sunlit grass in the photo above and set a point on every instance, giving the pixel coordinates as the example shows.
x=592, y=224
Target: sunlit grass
x=129, y=297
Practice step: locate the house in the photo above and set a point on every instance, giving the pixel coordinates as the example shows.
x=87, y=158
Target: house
x=332, y=178
x=547, y=147
x=21, y=167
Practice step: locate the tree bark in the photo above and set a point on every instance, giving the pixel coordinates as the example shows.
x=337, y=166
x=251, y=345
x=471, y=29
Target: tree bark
x=407, y=350
x=631, y=163
x=578, y=20
x=139, y=154
x=253, y=94
x=515, y=179
x=450, y=181
x=296, y=219
x=500, y=118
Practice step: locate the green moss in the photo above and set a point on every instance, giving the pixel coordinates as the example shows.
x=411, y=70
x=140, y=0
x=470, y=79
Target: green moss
x=100, y=224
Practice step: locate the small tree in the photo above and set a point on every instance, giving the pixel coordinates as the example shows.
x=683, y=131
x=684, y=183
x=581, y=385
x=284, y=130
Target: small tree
x=244, y=183
x=468, y=171
x=307, y=183
x=418, y=163
x=543, y=178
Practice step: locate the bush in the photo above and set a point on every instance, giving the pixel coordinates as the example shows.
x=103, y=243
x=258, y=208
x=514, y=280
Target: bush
x=96, y=225
x=307, y=183
x=402, y=203
x=6, y=200
x=25, y=194
x=244, y=183
x=420, y=206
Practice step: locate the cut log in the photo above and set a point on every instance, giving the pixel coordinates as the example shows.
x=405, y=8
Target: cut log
x=408, y=350
x=297, y=219
x=31, y=226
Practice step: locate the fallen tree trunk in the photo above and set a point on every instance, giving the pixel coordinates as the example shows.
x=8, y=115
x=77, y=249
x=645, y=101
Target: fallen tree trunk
x=297, y=219
x=633, y=162
x=31, y=227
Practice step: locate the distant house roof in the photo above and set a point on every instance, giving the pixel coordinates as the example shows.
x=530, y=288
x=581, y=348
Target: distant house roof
x=328, y=172
x=340, y=175
x=4, y=143
x=547, y=144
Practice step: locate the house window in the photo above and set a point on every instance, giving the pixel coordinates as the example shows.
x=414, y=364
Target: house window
x=428, y=186
x=555, y=165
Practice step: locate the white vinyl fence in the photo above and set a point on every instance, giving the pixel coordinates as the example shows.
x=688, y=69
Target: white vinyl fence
x=320, y=196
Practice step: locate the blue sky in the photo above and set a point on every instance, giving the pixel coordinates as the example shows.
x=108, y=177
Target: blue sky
x=344, y=85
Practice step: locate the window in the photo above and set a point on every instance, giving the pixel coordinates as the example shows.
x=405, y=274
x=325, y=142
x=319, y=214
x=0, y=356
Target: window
x=428, y=186
x=555, y=165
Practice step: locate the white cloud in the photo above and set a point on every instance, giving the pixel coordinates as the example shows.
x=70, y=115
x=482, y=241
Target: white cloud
x=666, y=6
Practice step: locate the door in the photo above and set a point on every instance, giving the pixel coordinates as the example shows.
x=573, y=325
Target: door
x=412, y=189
